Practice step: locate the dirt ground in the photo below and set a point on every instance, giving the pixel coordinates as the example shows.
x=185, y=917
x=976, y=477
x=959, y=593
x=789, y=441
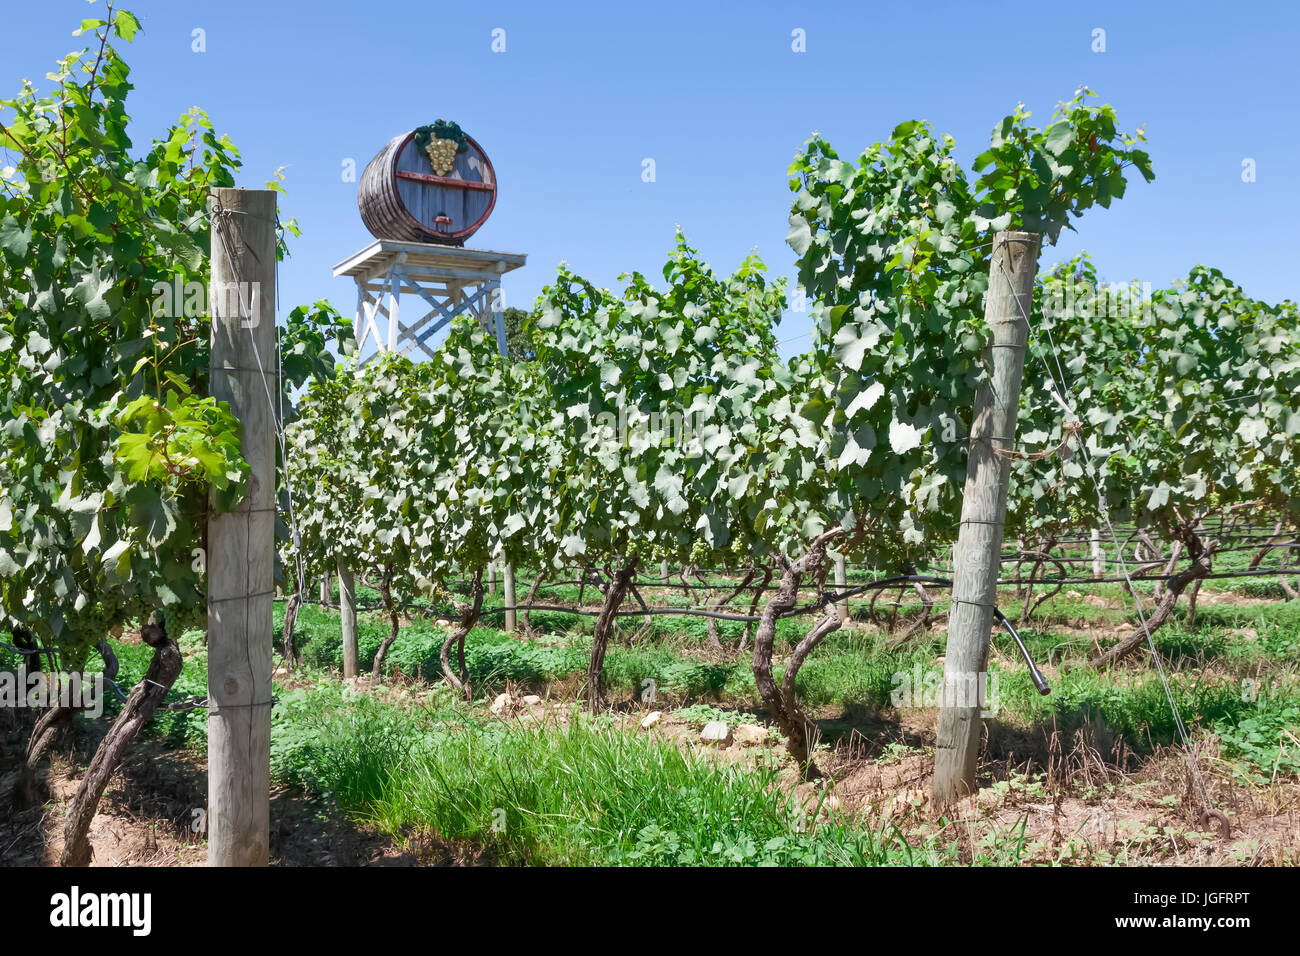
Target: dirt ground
x=1084, y=810
x=1077, y=799
x=151, y=815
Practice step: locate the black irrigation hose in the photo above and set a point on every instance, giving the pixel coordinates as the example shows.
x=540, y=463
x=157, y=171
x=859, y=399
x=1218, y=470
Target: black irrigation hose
x=851, y=592
x=1006, y=557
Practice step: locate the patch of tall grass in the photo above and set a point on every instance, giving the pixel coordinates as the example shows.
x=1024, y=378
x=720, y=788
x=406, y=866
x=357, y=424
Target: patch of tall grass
x=577, y=792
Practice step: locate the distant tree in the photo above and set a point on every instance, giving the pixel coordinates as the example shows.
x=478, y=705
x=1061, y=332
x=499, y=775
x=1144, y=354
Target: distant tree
x=520, y=340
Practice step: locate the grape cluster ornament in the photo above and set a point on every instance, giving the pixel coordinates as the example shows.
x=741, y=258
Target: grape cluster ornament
x=442, y=141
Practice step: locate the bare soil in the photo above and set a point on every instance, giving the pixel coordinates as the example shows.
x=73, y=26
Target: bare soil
x=152, y=815
x=1080, y=797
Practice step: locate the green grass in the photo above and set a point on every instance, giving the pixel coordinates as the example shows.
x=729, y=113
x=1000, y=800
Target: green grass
x=494, y=657
x=583, y=794
x=1265, y=742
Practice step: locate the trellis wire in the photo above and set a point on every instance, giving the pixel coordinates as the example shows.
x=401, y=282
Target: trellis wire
x=1058, y=388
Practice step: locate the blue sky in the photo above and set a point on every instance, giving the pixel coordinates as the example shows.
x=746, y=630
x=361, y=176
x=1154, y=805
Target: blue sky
x=714, y=93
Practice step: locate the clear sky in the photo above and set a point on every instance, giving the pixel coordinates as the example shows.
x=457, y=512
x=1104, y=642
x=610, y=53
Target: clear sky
x=715, y=94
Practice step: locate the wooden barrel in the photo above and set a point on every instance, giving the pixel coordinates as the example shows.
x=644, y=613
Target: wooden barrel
x=400, y=196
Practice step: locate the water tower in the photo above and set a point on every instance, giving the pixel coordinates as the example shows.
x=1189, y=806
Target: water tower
x=422, y=197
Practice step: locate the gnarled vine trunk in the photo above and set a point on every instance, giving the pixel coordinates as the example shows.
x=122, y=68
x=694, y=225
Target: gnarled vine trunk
x=613, y=599
x=290, y=650
x=385, y=588
x=1191, y=603
x=140, y=706
x=645, y=609
x=1287, y=589
x=1201, y=555
x=1041, y=556
x=759, y=590
x=922, y=624
x=1283, y=540
x=469, y=613
x=526, y=616
x=727, y=596
x=49, y=726
x=793, y=722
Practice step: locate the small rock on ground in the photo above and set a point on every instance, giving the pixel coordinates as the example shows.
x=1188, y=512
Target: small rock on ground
x=716, y=732
x=750, y=734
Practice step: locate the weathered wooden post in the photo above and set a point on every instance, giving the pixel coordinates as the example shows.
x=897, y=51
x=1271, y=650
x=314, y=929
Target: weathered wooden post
x=508, y=579
x=1098, y=561
x=348, y=613
x=664, y=572
x=977, y=557
x=241, y=545
x=841, y=583
x=325, y=588
x=508, y=569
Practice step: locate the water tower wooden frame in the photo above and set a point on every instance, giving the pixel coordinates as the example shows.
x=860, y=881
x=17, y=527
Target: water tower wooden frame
x=450, y=280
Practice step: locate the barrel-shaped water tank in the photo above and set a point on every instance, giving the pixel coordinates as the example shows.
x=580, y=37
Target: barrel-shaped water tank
x=402, y=196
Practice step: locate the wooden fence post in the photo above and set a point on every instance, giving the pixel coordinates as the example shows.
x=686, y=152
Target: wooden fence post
x=1098, y=560
x=508, y=582
x=841, y=583
x=977, y=557
x=241, y=545
x=325, y=589
x=348, y=612
x=508, y=575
